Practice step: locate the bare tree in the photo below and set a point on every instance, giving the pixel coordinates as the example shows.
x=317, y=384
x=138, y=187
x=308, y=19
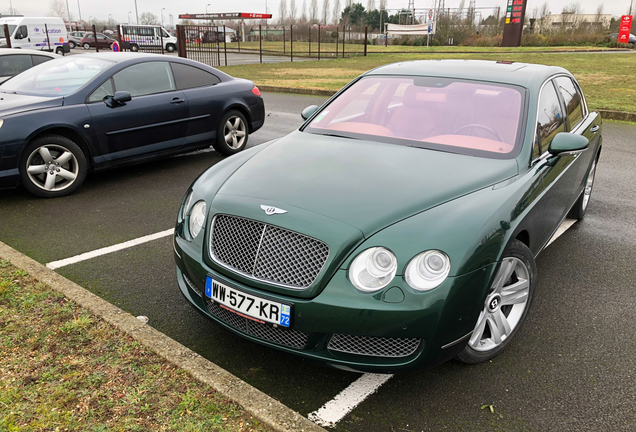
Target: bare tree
x=599, y=22
x=303, y=12
x=293, y=12
x=282, y=12
x=58, y=8
x=148, y=18
x=313, y=11
x=370, y=5
x=325, y=12
x=336, y=12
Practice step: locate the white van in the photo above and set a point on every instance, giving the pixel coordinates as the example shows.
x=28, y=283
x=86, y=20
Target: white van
x=30, y=33
x=146, y=36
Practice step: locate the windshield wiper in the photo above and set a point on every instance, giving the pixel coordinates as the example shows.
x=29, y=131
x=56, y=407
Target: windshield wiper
x=337, y=136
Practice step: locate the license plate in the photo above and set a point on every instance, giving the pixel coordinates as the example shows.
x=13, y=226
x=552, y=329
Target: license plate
x=247, y=305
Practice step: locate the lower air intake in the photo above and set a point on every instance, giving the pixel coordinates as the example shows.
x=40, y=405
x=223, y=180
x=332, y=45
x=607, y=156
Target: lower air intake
x=374, y=346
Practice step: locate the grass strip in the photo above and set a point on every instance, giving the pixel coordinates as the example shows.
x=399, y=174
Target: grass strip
x=64, y=369
x=607, y=79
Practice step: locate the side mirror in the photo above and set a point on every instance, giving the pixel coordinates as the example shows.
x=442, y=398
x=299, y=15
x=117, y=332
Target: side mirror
x=120, y=98
x=309, y=111
x=565, y=142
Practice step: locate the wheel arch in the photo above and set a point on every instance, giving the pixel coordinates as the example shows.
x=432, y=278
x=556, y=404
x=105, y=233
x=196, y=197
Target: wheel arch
x=243, y=110
x=71, y=134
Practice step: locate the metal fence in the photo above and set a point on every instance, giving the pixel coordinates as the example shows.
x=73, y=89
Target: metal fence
x=202, y=43
x=149, y=39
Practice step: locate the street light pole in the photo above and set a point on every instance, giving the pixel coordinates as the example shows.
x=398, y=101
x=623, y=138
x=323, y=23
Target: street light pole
x=136, y=12
x=68, y=11
x=79, y=11
x=162, y=9
x=129, y=12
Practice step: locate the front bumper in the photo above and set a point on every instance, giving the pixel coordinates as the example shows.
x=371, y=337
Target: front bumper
x=427, y=328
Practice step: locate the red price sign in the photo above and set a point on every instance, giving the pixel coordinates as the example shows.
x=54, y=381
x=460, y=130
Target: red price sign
x=625, y=28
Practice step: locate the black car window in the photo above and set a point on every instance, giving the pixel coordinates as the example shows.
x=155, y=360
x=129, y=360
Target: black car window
x=102, y=91
x=189, y=76
x=37, y=59
x=550, y=119
x=572, y=99
x=145, y=78
x=14, y=64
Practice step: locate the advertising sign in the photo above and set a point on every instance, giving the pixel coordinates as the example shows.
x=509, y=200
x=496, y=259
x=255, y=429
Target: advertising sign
x=625, y=28
x=513, y=27
x=228, y=15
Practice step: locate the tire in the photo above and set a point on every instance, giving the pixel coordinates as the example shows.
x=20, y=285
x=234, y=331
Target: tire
x=134, y=48
x=72, y=45
x=232, y=133
x=580, y=207
x=86, y=46
x=506, y=306
x=171, y=48
x=45, y=174
x=59, y=51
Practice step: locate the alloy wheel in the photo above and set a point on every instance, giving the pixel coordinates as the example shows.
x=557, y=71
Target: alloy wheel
x=504, y=306
x=234, y=132
x=52, y=167
x=589, y=184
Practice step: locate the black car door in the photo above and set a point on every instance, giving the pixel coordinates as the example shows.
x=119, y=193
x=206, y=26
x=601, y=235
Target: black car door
x=205, y=101
x=154, y=121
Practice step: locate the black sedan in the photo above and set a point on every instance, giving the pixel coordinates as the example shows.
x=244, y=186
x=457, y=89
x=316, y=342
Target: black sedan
x=68, y=116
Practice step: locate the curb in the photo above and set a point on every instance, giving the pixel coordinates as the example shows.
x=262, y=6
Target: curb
x=605, y=114
x=262, y=406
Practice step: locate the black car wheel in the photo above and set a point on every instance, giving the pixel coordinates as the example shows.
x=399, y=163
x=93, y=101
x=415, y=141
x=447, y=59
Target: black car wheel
x=506, y=306
x=580, y=207
x=134, y=47
x=171, y=48
x=232, y=133
x=72, y=45
x=52, y=166
x=86, y=45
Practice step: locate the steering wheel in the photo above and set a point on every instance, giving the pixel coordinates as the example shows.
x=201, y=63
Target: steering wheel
x=480, y=126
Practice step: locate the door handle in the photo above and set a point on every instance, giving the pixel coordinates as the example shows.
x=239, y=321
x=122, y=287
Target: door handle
x=177, y=101
x=595, y=128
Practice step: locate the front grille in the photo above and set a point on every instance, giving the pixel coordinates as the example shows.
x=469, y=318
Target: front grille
x=373, y=346
x=266, y=252
x=288, y=337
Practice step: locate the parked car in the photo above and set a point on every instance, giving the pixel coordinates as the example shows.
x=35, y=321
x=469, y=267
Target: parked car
x=31, y=33
x=63, y=118
x=614, y=38
x=399, y=225
x=75, y=38
x=103, y=41
x=14, y=61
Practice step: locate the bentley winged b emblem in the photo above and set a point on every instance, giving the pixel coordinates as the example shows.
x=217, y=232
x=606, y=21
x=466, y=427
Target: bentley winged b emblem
x=269, y=210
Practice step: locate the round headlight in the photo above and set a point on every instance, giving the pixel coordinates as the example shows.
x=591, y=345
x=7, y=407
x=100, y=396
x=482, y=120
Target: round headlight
x=186, y=205
x=197, y=218
x=427, y=270
x=373, y=269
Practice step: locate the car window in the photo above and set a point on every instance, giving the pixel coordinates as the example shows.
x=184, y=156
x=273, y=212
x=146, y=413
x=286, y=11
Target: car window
x=37, y=59
x=102, y=91
x=145, y=78
x=572, y=100
x=14, y=64
x=189, y=76
x=459, y=116
x=2, y=34
x=550, y=119
x=22, y=32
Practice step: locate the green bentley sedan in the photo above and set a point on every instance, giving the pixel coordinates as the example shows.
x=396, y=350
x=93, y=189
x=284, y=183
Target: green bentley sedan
x=398, y=226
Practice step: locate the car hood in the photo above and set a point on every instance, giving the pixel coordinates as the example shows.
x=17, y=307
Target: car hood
x=364, y=184
x=14, y=103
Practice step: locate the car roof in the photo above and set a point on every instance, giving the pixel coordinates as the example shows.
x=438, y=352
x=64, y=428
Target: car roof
x=9, y=51
x=119, y=57
x=523, y=74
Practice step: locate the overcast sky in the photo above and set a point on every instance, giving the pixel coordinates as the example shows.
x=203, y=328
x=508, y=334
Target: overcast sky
x=119, y=8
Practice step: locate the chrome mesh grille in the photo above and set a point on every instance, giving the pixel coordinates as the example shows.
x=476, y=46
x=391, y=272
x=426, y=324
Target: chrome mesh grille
x=373, y=346
x=266, y=252
x=192, y=285
x=288, y=337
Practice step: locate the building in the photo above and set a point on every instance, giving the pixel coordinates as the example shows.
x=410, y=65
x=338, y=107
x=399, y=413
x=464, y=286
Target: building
x=569, y=21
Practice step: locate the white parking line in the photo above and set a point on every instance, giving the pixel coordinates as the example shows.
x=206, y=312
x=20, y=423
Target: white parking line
x=334, y=410
x=110, y=249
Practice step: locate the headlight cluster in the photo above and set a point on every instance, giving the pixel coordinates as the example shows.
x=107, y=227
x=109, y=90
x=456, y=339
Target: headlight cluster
x=194, y=215
x=375, y=268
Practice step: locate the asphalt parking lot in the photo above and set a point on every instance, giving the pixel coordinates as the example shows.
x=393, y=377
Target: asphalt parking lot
x=571, y=367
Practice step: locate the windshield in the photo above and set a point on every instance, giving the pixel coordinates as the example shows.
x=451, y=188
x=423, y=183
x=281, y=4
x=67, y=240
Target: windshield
x=59, y=77
x=2, y=33
x=468, y=117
